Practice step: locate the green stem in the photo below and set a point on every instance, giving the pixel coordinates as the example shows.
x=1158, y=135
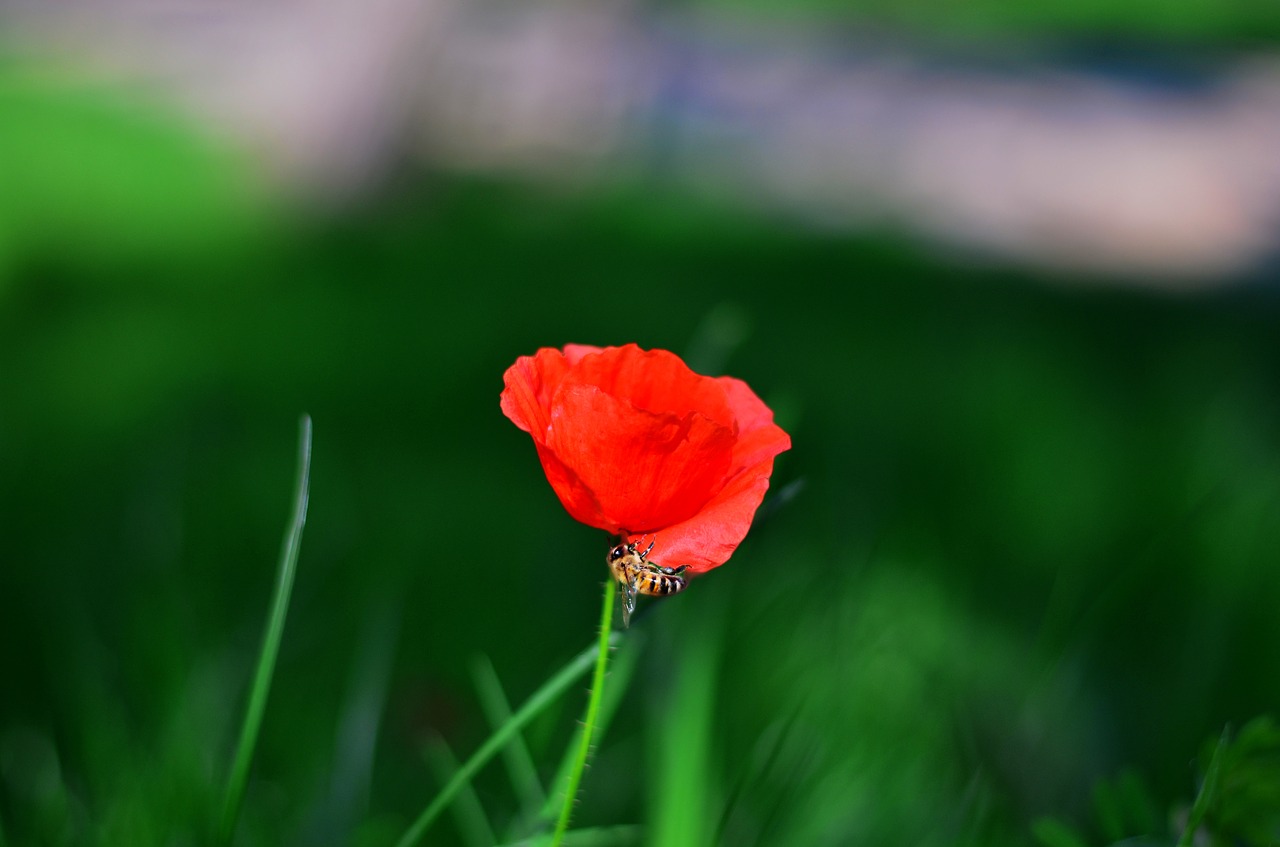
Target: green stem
x=622, y=835
x=288, y=565
x=593, y=709
x=1208, y=791
x=540, y=700
x=621, y=669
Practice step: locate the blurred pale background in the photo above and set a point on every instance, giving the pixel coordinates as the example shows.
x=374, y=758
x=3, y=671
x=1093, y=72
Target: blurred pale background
x=1134, y=141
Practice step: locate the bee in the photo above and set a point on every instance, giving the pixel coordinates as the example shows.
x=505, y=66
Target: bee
x=637, y=575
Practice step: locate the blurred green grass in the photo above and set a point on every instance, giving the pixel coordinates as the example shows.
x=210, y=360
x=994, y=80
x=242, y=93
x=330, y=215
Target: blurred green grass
x=1183, y=24
x=1030, y=543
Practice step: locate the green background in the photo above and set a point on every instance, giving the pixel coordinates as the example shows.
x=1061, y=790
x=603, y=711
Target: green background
x=1023, y=548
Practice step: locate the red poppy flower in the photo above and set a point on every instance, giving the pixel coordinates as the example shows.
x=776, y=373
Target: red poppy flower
x=635, y=443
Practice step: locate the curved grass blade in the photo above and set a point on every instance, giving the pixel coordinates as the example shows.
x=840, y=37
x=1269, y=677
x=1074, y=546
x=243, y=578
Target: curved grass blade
x=534, y=706
x=764, y=758
x=288, y=565
x=336, y=814
x=472, y=821
x=520, y=767
x=1208, y=790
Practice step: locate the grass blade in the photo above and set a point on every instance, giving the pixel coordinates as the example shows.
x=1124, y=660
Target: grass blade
x=335, y=814
x=520, y=767
x=472, y=822
x=288, y=565
x=1208, y=790
x=678, y=813
x=764, y=758
x=534, y=706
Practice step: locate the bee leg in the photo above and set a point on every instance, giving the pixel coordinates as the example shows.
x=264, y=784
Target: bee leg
x=674, y=571
x=650, y=547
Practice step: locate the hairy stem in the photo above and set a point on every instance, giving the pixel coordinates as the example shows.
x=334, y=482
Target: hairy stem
x=593, y=710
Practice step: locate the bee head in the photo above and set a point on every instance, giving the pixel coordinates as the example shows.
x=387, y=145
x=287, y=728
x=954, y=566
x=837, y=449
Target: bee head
x=617, y=552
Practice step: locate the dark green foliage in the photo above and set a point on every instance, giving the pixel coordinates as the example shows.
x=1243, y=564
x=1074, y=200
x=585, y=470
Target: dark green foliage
x=1244, y=808
x=1238, y=801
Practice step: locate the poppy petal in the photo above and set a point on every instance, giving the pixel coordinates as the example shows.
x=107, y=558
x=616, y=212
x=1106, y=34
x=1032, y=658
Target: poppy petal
x=532, y=381
x=656, y=381
x=646, y=470
x=709, y=538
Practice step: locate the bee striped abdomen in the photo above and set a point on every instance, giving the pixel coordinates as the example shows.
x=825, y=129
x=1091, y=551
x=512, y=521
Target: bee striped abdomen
x=659, y=584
